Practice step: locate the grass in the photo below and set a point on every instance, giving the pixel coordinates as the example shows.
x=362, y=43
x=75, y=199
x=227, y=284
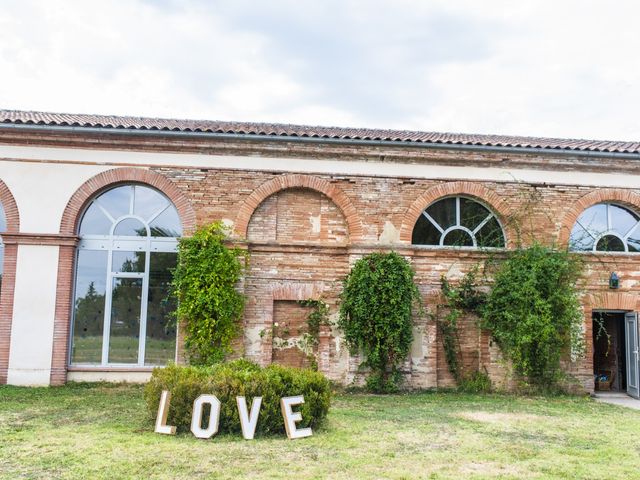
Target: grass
x=102, y=431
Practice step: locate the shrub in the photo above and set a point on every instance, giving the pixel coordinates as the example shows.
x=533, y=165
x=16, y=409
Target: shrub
x=204, y=283
x=475, y=382
x=239, y=378
x=533, y=311
x=376, y=315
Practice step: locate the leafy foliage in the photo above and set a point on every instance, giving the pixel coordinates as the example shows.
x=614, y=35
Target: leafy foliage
x=463, y=298
x=209, y=306
x=376, y=314
x=239, y=378
x=533, y=311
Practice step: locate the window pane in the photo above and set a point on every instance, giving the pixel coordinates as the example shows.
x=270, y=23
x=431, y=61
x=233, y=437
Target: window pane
x=130, y=227
x=424, y=233
x=622, y=220
x=91, y=277
x=117, y=201
x=458, y=238
x=167, y=224
x=127, y=261
x=160, y=344
x=147, y=202
x=594, y=219
x=610, y=243
x=471, y=213
x=444, y=212
x=3, y=220
x=95, y=222
x=125, y=320
x=490, y=235
x=580, y=240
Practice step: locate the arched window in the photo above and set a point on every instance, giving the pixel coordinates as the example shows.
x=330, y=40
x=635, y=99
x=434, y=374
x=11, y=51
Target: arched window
x=122, y=312
x=606, y=227
x=3, y=228
x=458, y=222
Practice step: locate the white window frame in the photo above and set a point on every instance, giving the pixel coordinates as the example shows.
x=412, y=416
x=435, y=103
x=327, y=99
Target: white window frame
x=113, y=243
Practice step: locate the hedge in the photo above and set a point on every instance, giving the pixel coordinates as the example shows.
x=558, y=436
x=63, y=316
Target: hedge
x=239, y=378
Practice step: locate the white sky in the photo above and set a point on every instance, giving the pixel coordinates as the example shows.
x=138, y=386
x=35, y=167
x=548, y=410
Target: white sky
x=550, y=68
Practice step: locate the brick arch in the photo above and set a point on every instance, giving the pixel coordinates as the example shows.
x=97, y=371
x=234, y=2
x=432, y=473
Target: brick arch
x=8, y=278
x=10, y=209
x=337, y=196
x=89, y=189
x=68, y=227
x=612, y=301
x=469, y=189
x=624, y=197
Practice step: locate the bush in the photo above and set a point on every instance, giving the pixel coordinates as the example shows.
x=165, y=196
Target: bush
x=239, y=378
x=376, y=315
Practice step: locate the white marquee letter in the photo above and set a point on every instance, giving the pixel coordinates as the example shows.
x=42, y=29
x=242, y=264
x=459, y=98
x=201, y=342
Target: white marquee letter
x=163, y=411
x=214, y=416
x=290, y=418
x=248, y=422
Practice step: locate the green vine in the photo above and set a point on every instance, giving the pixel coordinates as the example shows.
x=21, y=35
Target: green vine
x=460, y=299
x=598, y=319
x=204, y=283
x=533, y=311
x=376, y=309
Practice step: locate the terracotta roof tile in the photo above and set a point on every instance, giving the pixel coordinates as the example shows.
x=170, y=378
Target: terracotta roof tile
x=16, y=117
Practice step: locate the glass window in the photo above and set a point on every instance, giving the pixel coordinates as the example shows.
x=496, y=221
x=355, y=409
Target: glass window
x=606, y=227
x=458, y=222
x=122, y=310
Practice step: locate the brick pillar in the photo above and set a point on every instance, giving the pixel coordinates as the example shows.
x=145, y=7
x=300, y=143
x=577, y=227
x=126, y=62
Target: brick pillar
x=6, y=307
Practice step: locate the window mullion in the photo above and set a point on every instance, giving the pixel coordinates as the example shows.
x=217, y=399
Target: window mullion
x=158, y=213
x=457, y=211
x=482, y=224
x=106, y=328
x=131, y=199
x=435, y=224
x=143, y=306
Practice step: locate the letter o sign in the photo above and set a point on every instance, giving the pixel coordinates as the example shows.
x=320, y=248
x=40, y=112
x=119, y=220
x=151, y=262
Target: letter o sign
x=214, y=417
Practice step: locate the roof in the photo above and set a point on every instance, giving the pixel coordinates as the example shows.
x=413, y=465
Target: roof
x=143, y=124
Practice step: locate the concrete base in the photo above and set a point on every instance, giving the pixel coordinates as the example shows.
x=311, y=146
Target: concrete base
x=617, y=398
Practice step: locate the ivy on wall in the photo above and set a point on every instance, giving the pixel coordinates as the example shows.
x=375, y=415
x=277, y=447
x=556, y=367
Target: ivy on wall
x=376, y=308
x=533, y=311
x=464, y=298
x=204, y=283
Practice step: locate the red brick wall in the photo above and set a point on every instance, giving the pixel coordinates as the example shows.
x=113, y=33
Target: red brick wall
x=298, y=215
x=289, y=327
x=527, y=212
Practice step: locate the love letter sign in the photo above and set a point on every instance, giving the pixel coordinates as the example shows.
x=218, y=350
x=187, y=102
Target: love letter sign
x=248, y=419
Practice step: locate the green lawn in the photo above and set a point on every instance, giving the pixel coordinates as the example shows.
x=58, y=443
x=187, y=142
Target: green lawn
x=101, y=431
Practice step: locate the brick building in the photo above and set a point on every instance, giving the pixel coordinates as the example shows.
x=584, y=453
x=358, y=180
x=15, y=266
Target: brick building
x=92, y=206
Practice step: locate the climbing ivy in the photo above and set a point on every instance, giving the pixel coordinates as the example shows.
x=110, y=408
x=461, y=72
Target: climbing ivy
x=533, y=311
x=457, y=300
x=204, y=283
x=376, y=308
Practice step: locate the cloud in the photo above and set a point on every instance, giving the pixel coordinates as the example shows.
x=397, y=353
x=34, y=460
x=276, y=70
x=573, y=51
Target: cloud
x=530, y=67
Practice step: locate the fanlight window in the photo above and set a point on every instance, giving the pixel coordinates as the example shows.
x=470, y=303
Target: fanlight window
x=606, y=227
x=122, y=310
x=458, y=222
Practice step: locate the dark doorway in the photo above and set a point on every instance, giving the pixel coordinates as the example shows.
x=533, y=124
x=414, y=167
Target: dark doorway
x=609, y=351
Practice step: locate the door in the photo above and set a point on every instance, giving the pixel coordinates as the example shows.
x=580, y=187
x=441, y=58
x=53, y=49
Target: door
x=631, y=334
